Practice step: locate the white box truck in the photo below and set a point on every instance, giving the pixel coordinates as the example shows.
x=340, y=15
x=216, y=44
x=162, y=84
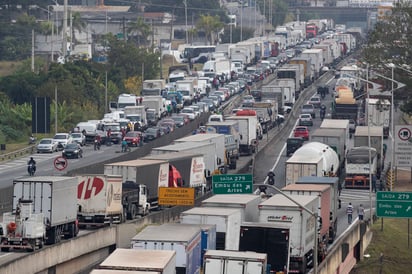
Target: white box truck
x=248, y=128
x=53, y=196
x=230, y=262
x=281, y=211
x=227, y=222
x=247, y=203
x=184, y=239
x=316, y=57
x=142, y=261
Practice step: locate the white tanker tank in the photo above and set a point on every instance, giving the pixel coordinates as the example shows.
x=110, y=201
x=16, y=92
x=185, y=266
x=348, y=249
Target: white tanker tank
x=312, y=159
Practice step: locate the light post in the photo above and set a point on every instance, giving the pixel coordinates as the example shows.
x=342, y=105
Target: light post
x=313, y=214
x=187, y=36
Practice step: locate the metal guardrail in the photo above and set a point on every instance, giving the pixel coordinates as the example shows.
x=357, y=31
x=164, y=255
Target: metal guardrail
x=16, y=154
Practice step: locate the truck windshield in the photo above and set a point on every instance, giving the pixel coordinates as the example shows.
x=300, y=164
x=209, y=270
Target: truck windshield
x=123, y=105
x=133, y=118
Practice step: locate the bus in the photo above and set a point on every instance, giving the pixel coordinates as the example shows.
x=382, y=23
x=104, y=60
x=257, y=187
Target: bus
x=197, y=54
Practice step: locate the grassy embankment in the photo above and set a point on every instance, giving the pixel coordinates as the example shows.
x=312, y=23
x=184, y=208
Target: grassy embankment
x=389, y=252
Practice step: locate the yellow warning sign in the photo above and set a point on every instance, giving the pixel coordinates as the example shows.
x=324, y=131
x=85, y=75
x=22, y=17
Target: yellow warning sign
x=177, y=196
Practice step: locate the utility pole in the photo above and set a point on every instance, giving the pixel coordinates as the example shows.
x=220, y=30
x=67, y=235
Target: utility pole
x=65, y=30
x=32, y=50
x=187, y=37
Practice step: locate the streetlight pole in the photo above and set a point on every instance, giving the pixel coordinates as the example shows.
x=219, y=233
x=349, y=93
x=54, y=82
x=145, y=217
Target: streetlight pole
x=187, y=36
x=314, y=214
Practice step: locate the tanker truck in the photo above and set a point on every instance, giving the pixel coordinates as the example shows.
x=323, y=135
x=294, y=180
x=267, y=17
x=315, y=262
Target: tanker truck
x=312, y=159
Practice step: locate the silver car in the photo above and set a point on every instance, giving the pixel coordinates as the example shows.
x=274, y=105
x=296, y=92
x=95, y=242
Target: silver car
x=79, y=138
x=47, y=145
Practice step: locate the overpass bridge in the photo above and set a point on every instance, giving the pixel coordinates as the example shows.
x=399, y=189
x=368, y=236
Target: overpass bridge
x=341, y=15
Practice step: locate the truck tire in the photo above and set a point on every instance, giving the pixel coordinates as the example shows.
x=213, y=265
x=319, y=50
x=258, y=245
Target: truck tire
x=5, y=249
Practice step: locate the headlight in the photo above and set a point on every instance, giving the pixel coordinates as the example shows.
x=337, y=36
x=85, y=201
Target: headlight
x=76, y=151
x=64, y=151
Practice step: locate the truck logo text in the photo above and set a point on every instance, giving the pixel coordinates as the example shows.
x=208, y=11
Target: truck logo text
x=90, y=187
x=282, y=218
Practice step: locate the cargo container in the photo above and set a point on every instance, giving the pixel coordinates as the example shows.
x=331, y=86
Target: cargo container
x=270, y=239
x=280, y=210
x=335, y=138
x=184, y=239
x=247, y=203
x=361, y=138
x=227, y=222
x=340, y=125
x=230, y=262
x=143, y=261
x=334, y=183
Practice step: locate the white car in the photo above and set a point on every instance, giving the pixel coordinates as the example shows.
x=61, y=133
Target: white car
x=46, y=145
x=190, y=112
x=63, y=138
x=79, y=138
x=196, y=109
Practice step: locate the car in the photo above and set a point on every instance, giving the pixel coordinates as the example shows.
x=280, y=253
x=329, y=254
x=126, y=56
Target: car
x=308, y=109
x=72, y=150
x=152, y=133
x=257, y=94
x=190, y=112
x=301, y=131
x=222, y=94
x=79, y=138
x=46, y=145
x=196, y=110
x=133, y=138
x=217, y=100
x=180, y=120
x=292, y=144
x=170, y=123
x=248, y=99
x=62, y=138
x=315, y=101
x=305, y=119
x=210, y=103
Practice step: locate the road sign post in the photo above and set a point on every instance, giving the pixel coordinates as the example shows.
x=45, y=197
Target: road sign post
x=394, y=204
x=60, y=163
x=232, y=184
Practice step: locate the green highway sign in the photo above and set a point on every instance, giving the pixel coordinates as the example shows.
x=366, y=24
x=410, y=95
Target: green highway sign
x=232, y=184
x=394, y=204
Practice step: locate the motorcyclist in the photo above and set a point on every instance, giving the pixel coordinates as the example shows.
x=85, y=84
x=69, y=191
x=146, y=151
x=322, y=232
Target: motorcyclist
x=97, y=142
x=124, y=145
x=32, y=163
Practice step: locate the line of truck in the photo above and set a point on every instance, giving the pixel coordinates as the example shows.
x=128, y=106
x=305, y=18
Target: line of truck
x=265, y=235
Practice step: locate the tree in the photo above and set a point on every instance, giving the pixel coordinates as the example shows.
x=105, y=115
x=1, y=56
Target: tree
x=389, y=42
x=139, y=29
x=211, y=25
x=78, y=24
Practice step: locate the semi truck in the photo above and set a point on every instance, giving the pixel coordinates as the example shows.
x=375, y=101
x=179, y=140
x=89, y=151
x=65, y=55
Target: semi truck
x=106, y=199
x=270, y=239
x=307, y=69
x=333, y=137
x=378, y=114
x=187, y=88
x=361, y=162
x=227, y=221
x=44, y=210
x=247, y=203
x=184, y=239
x=139, y=261
x=288, y=87
x=326, y=225
x=153, y=87
x=312, y=159
x=266, y=113
x=212, y=163
x=190, y=166
x=275, y=94
x=361, y=138
x=282, y=212
x=335, y=186
x=240, y=262
x=146, y=176
x=248, y=133
x=316, y=57
x=155, y=108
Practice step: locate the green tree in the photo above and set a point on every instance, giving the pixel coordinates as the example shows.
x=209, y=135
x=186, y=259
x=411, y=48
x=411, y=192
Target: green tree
x=211, y=25
x=139, y=30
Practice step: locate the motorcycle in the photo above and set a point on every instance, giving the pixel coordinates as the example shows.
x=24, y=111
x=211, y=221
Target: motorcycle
x=31, y=169
x=32, y=140
x=96, y=145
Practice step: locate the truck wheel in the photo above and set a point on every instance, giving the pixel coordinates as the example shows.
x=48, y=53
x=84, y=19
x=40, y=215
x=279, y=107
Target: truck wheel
x=133, y=212
x=5, y=249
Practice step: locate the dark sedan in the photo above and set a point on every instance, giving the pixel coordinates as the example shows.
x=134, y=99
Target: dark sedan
x=72, y=150
x=152, y=133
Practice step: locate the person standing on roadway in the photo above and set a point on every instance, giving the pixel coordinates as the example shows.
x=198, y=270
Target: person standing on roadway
x=361, y=212
x=349, y=212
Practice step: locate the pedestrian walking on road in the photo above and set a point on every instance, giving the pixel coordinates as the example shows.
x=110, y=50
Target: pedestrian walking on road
x=349, y=212
x=361, y=212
